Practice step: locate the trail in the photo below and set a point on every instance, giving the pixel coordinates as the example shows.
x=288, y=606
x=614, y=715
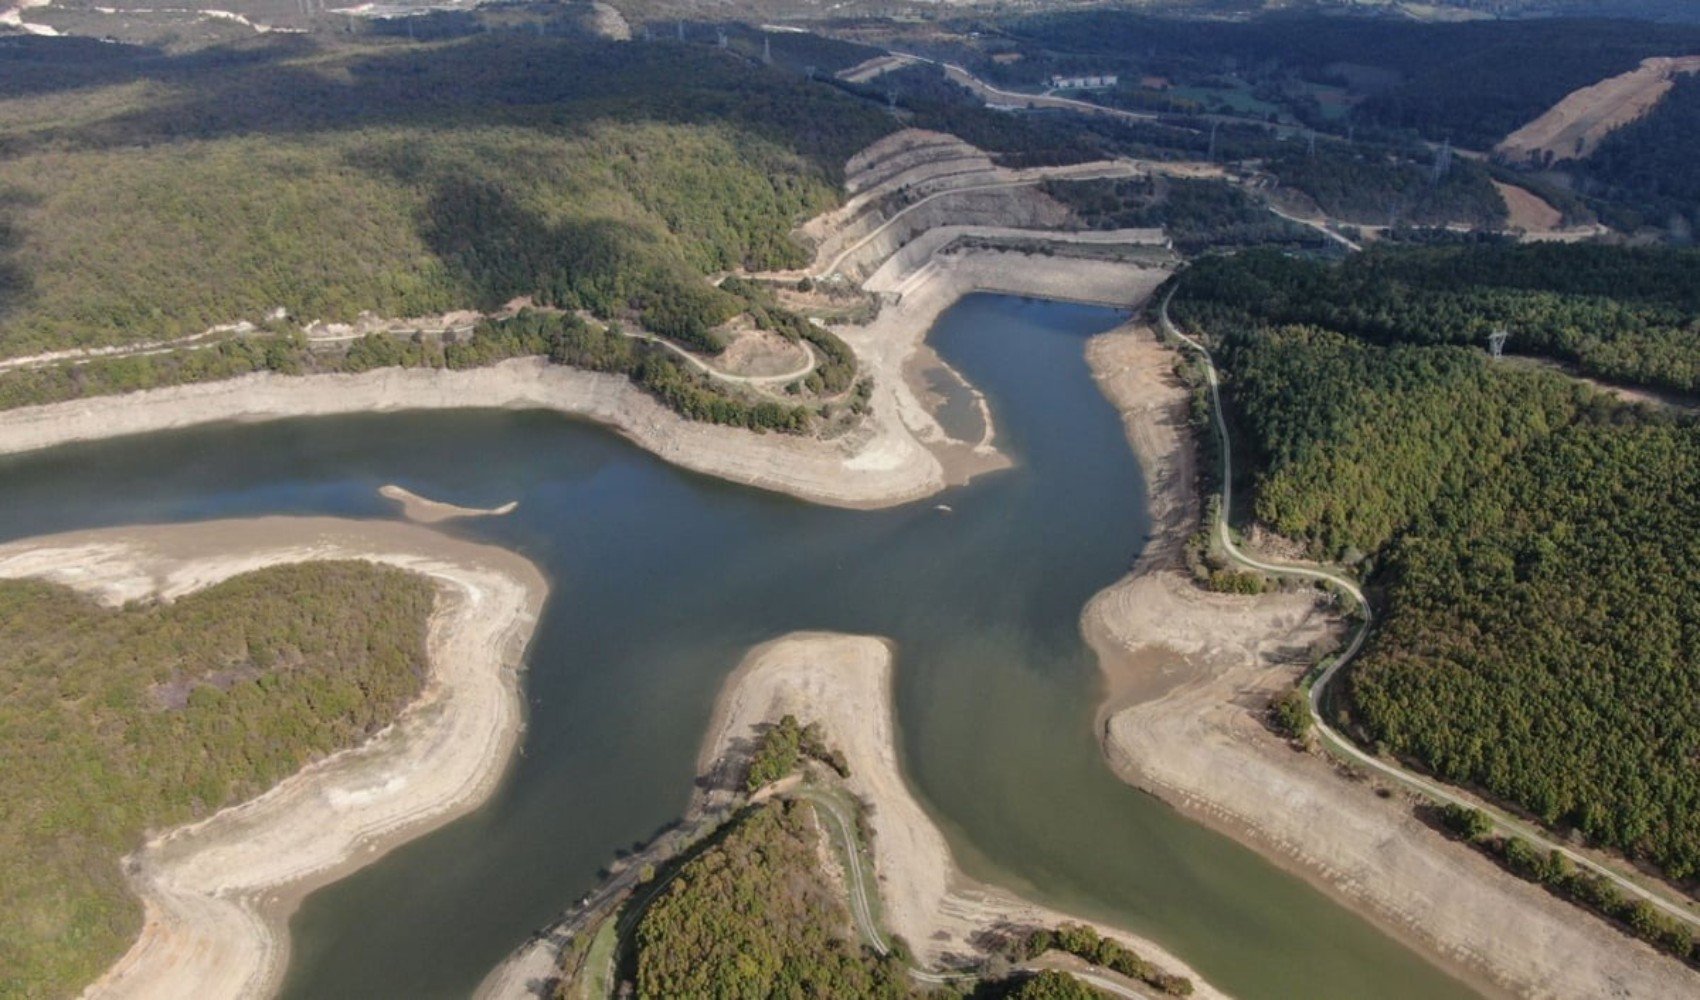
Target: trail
x=1332, y=739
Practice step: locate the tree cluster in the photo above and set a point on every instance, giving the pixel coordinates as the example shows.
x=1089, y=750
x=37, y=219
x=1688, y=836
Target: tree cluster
x=753, y=916
x=1084, y=942
x=1533, y=542
x=122, y=722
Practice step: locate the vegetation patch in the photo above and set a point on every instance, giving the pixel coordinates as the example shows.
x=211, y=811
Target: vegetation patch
x=785, y=745
x=1084, y=942
x=753, y=916
x=1533, y=543
x=1561, y=877
x=119, y=723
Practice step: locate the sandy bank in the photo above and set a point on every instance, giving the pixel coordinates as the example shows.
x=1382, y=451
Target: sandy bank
x=1188, y=675
x=844, y=683
x=217, y=894
x=894, y=341
x=427, y=511
x=880, y=464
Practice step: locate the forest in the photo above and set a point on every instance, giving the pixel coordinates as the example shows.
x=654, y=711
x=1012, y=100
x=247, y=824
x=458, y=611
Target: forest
x=1621, y=314
x=1379, y=189
x=1197, y=214
x=1531, y=541
x=180, y=193
x=754, y=916
x=123, y=721
x=1472, y=82
x=1651, y=160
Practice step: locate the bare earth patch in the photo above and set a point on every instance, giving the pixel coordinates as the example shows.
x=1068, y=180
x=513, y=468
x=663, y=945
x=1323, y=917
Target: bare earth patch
x=217, y=894
x=1573, y=128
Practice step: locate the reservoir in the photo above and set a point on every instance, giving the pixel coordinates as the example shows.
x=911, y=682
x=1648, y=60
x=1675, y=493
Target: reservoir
x=662, y=580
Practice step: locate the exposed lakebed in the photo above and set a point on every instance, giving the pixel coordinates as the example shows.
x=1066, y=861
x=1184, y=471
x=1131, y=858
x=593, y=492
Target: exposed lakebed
x=662, y=580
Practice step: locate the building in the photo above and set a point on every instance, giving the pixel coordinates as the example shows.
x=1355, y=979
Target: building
x=1083, y=82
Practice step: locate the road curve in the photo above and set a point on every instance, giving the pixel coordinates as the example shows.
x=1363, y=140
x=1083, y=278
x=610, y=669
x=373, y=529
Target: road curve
x=1333, y=739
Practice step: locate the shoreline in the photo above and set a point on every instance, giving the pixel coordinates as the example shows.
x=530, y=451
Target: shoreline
x=898, y=455
x=217, y=894
x=1186, y=674
x=844, y=682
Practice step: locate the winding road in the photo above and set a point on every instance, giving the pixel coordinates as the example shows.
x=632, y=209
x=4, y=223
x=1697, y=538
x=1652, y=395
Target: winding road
x=1333, y=739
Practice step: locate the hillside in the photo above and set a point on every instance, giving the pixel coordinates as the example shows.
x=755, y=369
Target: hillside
x=124, y=722
x=149, y=196
x=1528, y=538
x=755, y=915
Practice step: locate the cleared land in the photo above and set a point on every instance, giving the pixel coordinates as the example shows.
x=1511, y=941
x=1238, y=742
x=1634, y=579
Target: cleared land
x=1573, y=128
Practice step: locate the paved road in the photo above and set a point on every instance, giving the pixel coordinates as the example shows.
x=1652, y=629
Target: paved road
x=1334, y=740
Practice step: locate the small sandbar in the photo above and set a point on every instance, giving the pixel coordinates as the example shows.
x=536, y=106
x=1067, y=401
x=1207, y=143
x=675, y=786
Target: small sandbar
x=424, y=510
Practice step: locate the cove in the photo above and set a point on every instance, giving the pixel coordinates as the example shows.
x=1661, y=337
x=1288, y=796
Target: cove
x=663, y=579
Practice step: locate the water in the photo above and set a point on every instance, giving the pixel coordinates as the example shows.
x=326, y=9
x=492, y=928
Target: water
x=663, y=579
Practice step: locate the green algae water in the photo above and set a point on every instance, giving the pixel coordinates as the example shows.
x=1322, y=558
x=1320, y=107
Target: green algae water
x=663, y=579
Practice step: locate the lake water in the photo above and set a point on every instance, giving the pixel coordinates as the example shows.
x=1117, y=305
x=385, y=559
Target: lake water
x=663, y=579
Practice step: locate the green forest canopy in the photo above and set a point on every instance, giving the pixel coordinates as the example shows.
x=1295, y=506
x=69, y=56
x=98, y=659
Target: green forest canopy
x=1536, y=544
x=405, y=181
x=1622, y=314
x=753, y=916
x=122, y=721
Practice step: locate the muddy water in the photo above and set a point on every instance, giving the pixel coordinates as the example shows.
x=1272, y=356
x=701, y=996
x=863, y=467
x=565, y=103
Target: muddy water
x=662, y=580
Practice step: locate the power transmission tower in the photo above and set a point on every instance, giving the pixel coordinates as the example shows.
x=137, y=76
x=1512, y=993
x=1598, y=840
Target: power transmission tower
x=766, y=51
x=1496, y=342
x=720, y=37
x=681, y=31
x=1312, y=136
x=1212, y=155
x=1442, y=161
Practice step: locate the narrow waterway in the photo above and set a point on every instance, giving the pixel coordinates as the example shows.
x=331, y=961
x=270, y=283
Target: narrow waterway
x=661, y=581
